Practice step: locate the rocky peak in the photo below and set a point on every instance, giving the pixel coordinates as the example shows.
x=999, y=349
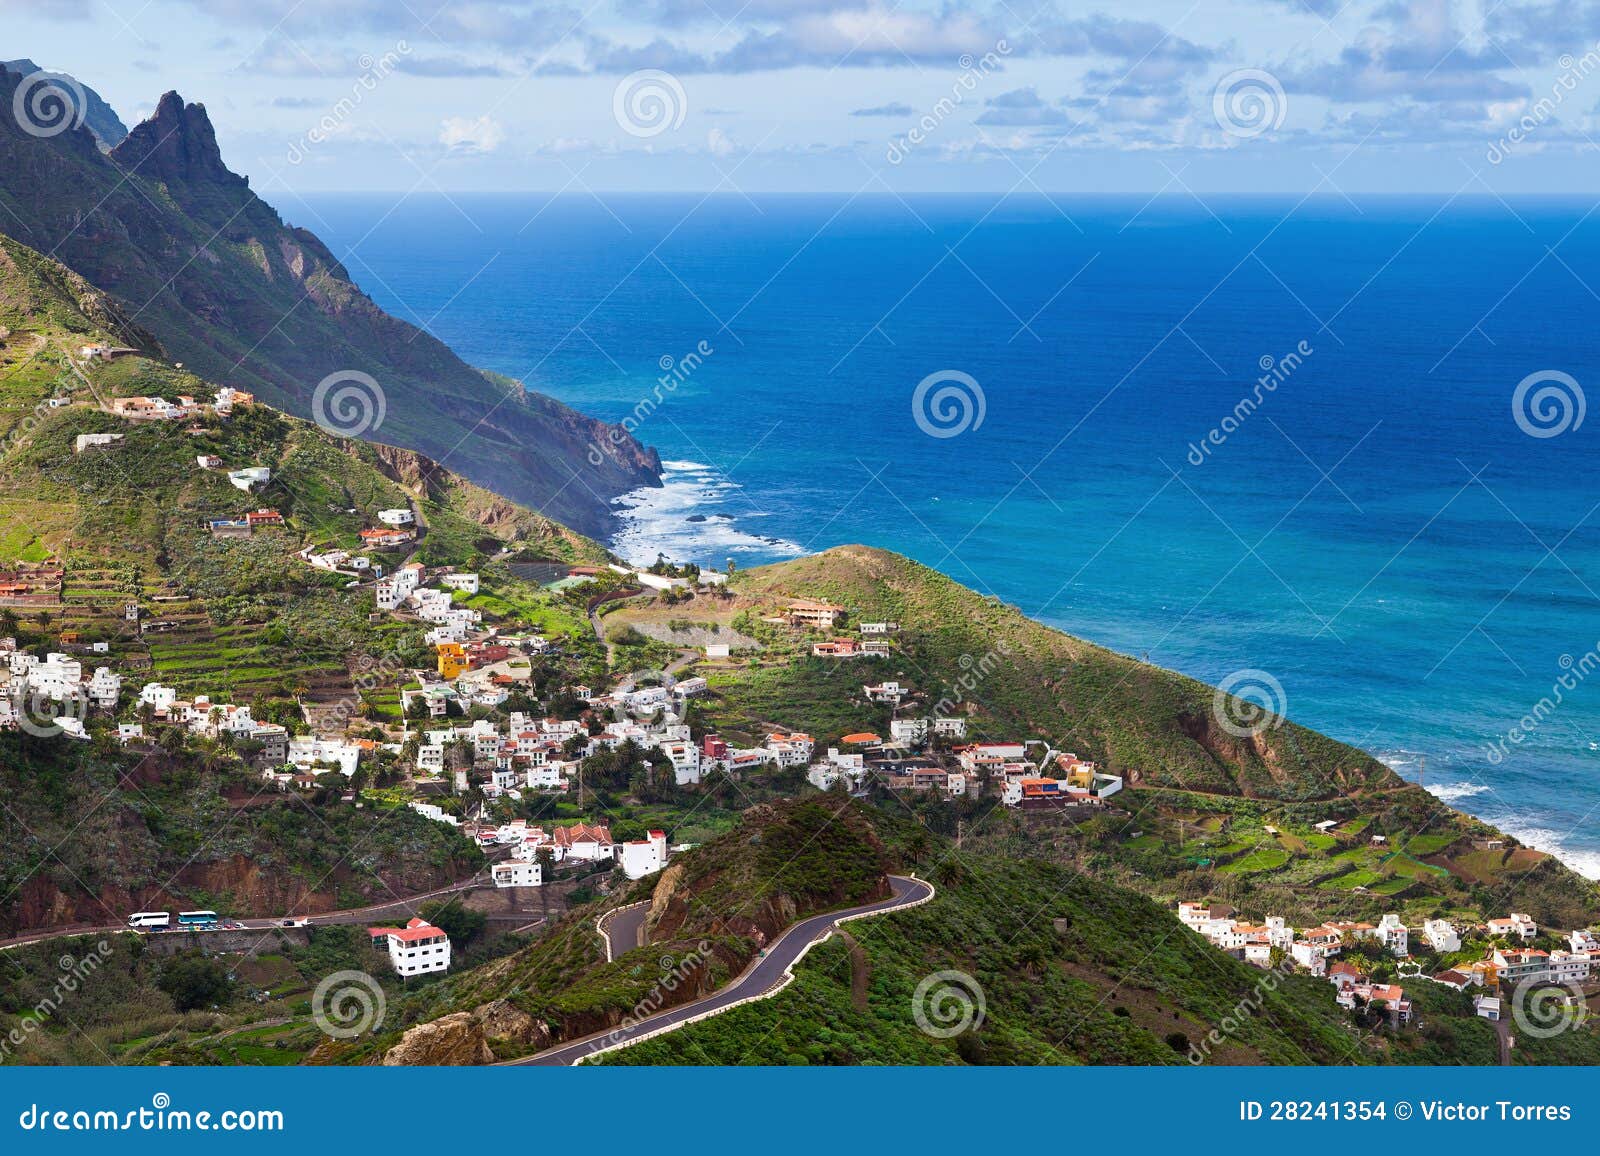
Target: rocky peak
x=176, y=146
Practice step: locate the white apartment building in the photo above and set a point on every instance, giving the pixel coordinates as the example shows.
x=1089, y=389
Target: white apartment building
x=518, y=873
x=909, y=730
x=59, y=676
x=415, y=949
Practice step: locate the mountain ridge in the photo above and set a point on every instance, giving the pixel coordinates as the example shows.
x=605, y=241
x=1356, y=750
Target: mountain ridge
x=244, y=298
x=98, y=115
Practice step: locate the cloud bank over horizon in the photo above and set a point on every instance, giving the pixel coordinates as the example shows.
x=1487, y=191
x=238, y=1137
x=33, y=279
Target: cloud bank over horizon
x=1157, y=96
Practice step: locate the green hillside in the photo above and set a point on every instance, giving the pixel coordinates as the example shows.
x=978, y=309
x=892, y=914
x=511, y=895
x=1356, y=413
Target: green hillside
x=245, y=299
x=131, y=523
x=91, y=830
x=1068, y=971
x=1207, y=813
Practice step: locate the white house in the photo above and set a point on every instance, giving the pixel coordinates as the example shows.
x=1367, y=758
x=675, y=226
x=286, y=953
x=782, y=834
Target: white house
x=1441, y=935
x=583, y=842
x=689, y=687
x=889, y=692
x=792, y=749
x=467, y=583
x=717, y=650
x=59, y=676
x=435, y=812
x=641, y=857
x=398, y=517
x=1568, y=967
x=685, y=757
x=1584, y=942
x=95, y=441
x=1516, y=926
x=157, y=697
x=657, y=581
x=1311, y=956
x=305, y=751
x=518, y=873
x=909, y=730
x=414, y=949
x=250, y=476
x=548, y=778
x=879, y=627
x=105, y=688
x=1396, y=936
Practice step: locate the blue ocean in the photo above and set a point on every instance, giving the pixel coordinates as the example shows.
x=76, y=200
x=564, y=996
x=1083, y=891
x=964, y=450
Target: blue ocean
x=1338, y=442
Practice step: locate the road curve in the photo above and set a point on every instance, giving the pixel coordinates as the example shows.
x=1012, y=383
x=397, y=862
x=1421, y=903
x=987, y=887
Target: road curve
x=621, y=927
x=765, y=976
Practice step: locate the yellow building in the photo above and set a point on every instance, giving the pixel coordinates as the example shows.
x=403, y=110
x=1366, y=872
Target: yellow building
x=452, y=659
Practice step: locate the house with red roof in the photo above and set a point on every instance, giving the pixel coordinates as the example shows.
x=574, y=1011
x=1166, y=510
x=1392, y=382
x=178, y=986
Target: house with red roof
x=415, y=949
x=583, y=842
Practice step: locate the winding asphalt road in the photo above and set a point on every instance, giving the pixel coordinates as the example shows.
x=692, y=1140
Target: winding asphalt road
x=622, y=927
x=763, y=977
x=391, y=909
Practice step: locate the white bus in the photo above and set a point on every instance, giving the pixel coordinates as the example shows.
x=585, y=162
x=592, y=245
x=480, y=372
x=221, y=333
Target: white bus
x=150, y=919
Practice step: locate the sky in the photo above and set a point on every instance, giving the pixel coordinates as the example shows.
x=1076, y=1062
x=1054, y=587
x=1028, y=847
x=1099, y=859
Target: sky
x=1326, y=97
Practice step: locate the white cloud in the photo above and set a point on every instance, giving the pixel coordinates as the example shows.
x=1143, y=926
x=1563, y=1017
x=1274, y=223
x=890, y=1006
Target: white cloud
x=483, y=135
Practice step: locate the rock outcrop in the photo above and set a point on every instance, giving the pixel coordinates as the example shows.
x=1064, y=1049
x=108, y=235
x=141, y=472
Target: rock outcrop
x=455, y=1040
